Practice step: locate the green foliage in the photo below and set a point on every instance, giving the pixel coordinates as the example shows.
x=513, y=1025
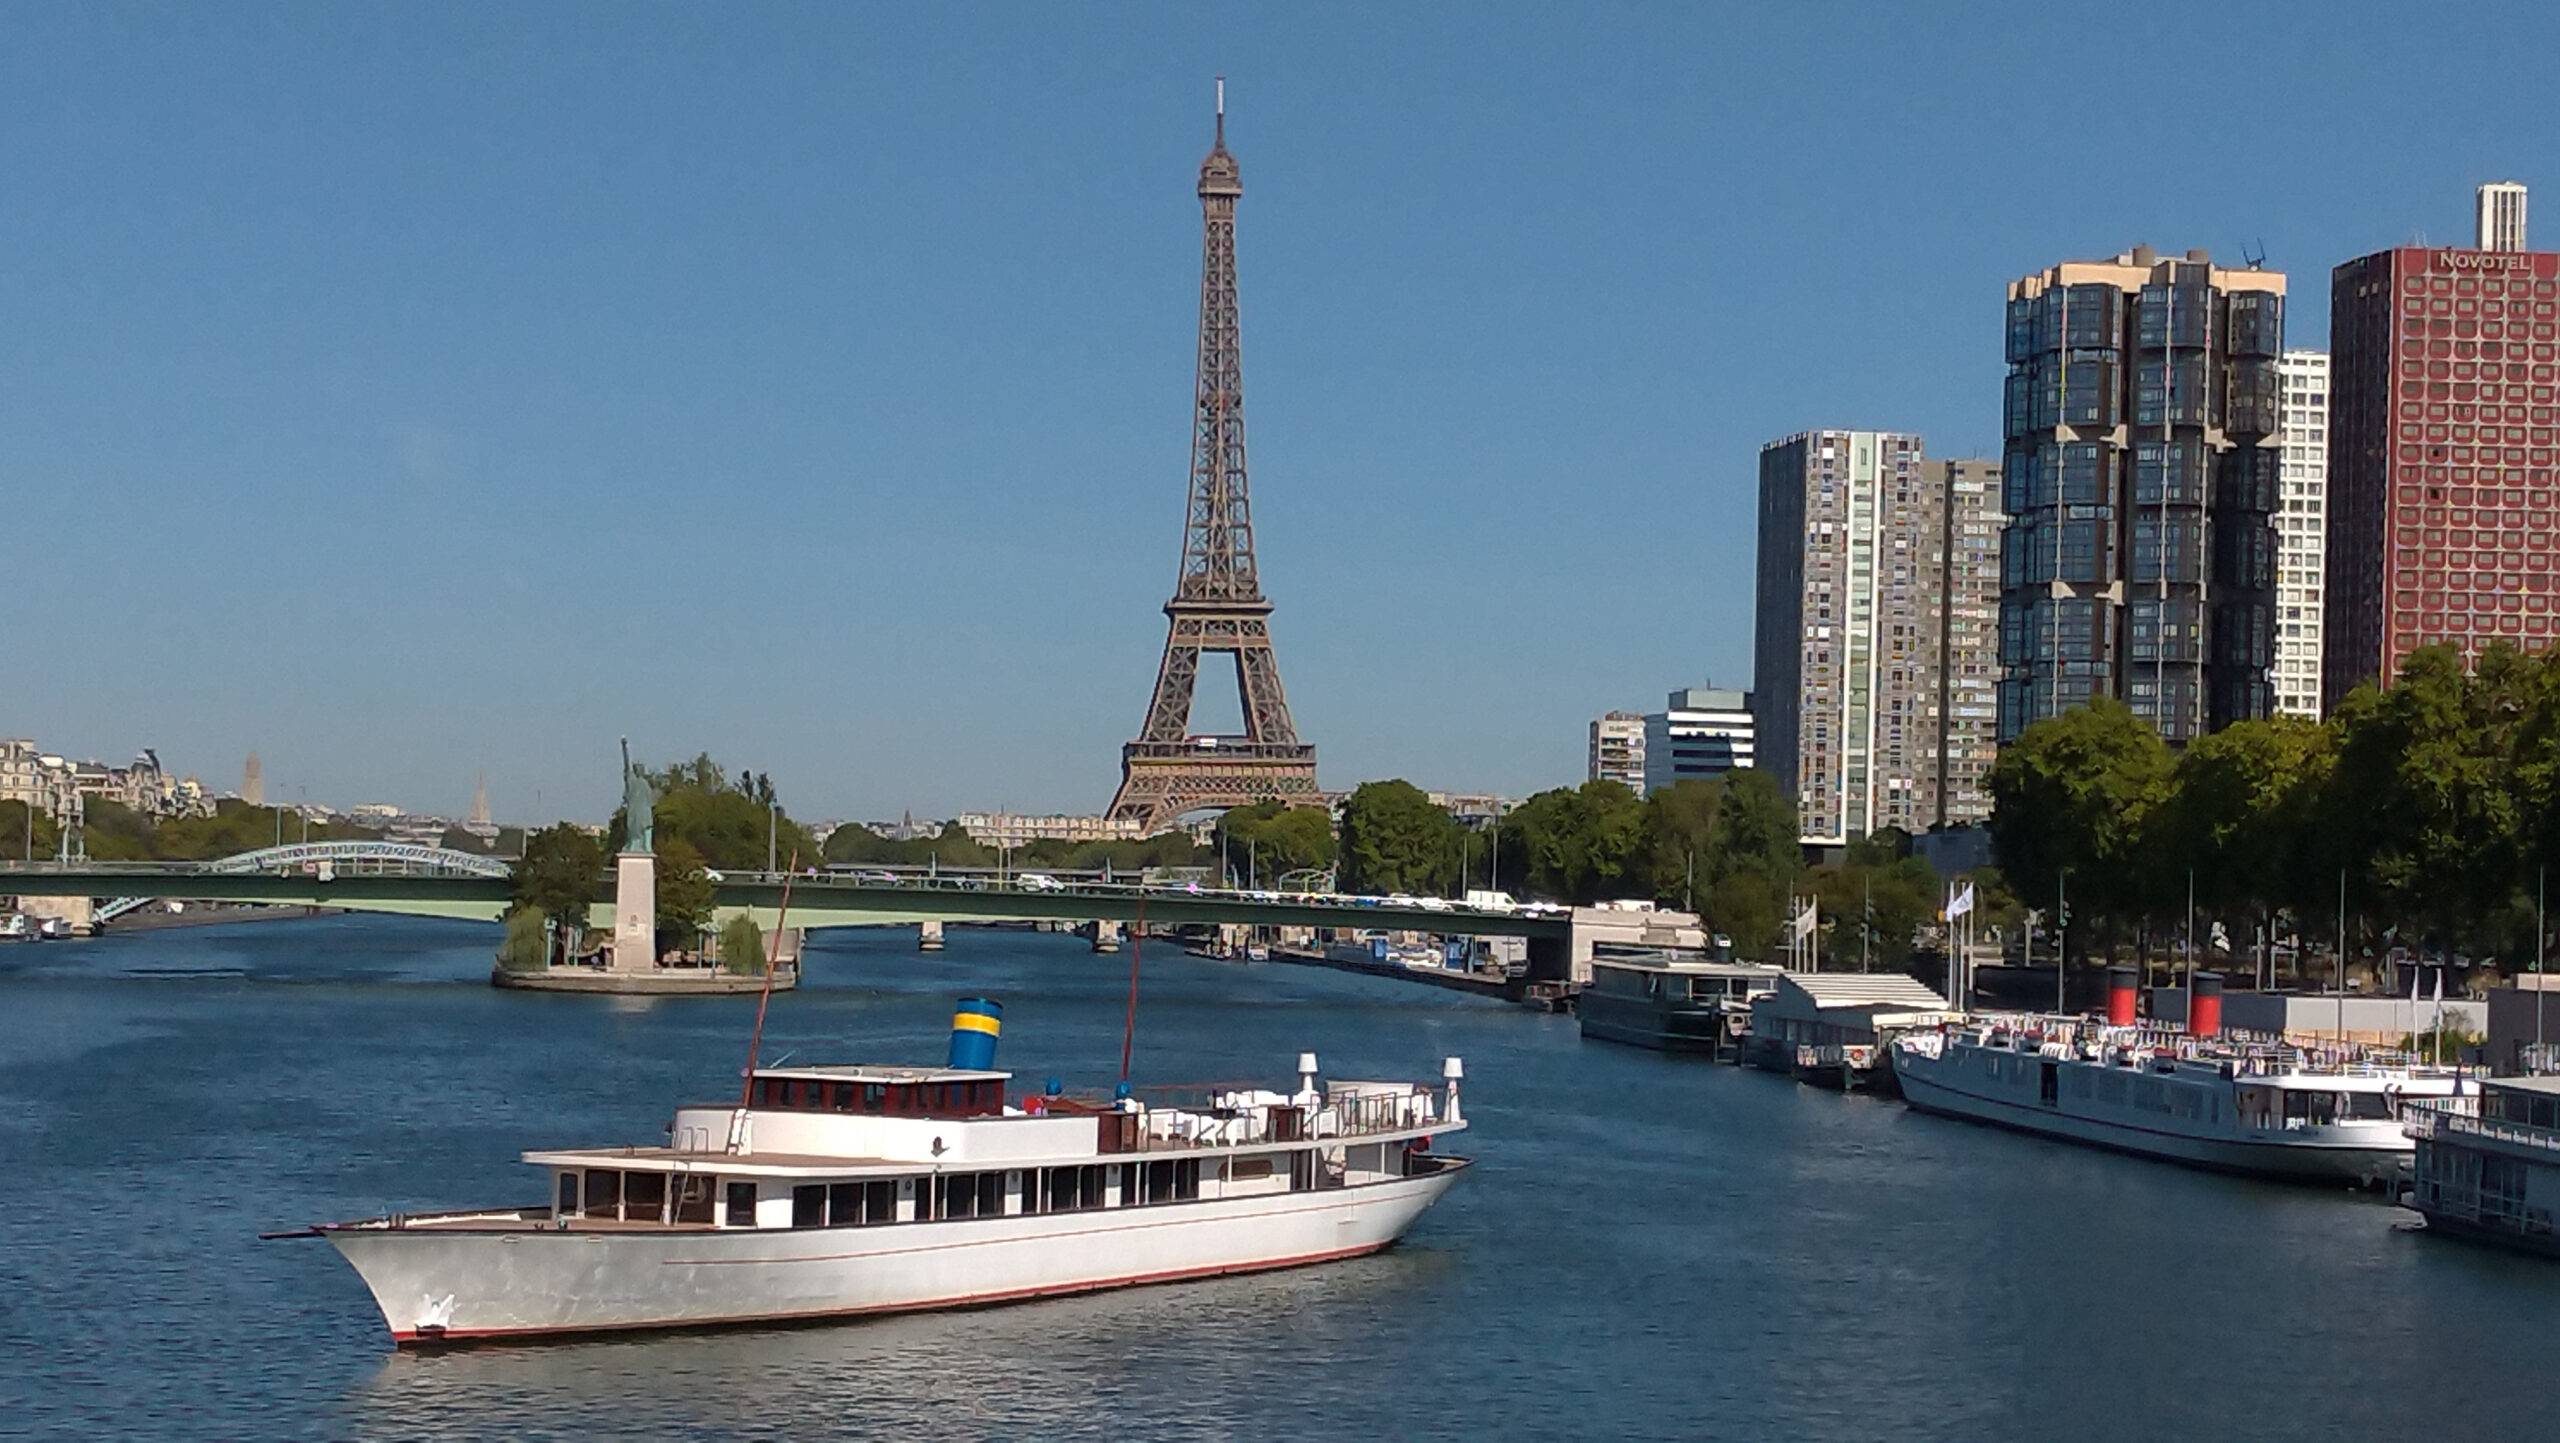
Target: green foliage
x=527, y=945
x=1268, y=839
x=237, y=827
x=856, y=845
x=685, y=893
x=1396, y=839
x=1165, y=849
x=733, y=825
x=2422, y=811
x=2071, y=795
x=742, y=946
x=561, y=873
x=1724, y=847
x=1581, y=844
x=2436, y=801
x=17, y=841
x=2237, y=814
x=1874, y=903
x=1680, y=823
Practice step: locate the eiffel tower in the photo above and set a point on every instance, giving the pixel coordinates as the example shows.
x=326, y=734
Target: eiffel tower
x=1217, y=606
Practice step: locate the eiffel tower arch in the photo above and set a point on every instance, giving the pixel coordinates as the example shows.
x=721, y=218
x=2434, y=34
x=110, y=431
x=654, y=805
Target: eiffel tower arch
x=1218, y=607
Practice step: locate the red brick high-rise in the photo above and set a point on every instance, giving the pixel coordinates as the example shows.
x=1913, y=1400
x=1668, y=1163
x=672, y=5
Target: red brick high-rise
x=2442, y=521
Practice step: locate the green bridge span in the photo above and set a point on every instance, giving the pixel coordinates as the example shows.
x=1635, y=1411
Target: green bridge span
x=823, y=901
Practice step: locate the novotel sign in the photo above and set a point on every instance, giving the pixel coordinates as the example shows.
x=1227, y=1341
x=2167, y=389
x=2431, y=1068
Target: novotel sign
x=2483, y=261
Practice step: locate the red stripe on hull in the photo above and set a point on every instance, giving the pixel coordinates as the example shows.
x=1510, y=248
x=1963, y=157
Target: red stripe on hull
x=963, y=1300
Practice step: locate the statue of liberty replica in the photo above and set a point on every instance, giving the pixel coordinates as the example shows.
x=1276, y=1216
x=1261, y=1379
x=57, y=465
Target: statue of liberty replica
x=635, y=891
x=637, y=797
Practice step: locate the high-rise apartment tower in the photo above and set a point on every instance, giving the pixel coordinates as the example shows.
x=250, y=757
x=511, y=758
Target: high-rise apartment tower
x=1968, y=587
x=1874, y=575
x=2302, y=530
x=1617, y=749
x=2499, y=222
x=2442, y=523
x=2140, y=473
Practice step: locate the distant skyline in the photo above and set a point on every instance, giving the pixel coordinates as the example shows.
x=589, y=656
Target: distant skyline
x=407, y=393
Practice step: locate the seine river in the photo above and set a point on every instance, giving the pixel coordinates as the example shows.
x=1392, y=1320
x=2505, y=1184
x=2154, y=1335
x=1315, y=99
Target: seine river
x=1651, y=1247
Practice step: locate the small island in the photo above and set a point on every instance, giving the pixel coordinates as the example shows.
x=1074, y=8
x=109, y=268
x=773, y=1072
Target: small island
x=659, y=932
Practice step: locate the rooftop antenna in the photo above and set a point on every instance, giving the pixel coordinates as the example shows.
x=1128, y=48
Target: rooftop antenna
x=1222, y=112
x=2255, y=259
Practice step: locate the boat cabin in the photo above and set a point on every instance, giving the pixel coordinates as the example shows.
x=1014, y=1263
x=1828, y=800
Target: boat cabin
x=880, y=1091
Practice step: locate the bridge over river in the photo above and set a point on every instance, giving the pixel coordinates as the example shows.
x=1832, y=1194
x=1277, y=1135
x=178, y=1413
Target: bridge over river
x=436, y=882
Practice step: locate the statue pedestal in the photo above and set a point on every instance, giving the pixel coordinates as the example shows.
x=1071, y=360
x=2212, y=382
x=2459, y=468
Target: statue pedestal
x=635, y=912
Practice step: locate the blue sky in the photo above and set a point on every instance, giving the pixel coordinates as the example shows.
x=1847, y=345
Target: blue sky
x=406, y=391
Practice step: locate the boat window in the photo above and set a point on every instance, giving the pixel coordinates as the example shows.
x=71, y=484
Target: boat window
x=742, y=1205
x=840, y=1096
x=809, y=1205
x=1070, y=1189
x=1249, y=1169
x=874, y=1096
x=2366, y=1106
x=604, y=1194
x=1174, y=1180
x=568, y=1196
x=694, y=1192
x=990, y=1194
x=862, y=1204
x=644, y=1196
x=1302, y=1170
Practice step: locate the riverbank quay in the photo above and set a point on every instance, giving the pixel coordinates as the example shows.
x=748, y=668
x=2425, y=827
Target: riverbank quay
x=1475, y=984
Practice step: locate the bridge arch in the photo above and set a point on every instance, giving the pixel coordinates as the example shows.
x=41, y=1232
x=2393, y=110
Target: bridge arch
x=371, y=858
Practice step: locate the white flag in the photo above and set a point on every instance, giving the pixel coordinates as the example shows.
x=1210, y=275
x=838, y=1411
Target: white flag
x=1960, y=903
x=1805, y=922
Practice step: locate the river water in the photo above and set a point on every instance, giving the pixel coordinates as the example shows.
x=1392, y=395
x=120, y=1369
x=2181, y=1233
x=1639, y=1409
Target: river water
x=1652, y=1247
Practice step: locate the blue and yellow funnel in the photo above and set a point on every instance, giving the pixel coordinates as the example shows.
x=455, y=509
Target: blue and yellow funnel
x=974, y=1027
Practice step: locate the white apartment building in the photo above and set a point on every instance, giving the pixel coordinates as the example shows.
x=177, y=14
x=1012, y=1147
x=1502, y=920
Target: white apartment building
x=2500, y=222
x=1617, y=749
x=1705, y=731
x=1007, y=829
x=2302, y=538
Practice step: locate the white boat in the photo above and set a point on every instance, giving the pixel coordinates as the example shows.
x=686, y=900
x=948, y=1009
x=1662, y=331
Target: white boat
x=838, y=1191
x=2261, y=1108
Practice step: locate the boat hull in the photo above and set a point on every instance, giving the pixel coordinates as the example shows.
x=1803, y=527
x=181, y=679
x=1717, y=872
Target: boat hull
x=443, y=1285
x=2355, y=1164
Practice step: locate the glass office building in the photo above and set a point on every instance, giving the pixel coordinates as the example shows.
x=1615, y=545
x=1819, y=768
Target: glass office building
x=2140, y=470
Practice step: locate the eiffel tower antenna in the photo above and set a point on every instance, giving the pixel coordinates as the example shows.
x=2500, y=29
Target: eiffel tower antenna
x=1217, y=606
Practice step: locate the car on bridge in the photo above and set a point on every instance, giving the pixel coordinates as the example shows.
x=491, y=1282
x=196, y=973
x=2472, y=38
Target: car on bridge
x=1039, y=882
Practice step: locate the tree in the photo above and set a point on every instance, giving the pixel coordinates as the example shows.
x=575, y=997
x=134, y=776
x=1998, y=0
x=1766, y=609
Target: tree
x=685, y=895
x=2238, y=816
x=2070, y=795
x=1271, y=838
x=561, y=874
x=1876, y=903
x=1580, y=844
x=742, y=946
x=2421, y=815
x=527, y=945
x=1396, y=839
x=1748, y=911
x=1757, y=830
x=1680, y=840
x=26, y=833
